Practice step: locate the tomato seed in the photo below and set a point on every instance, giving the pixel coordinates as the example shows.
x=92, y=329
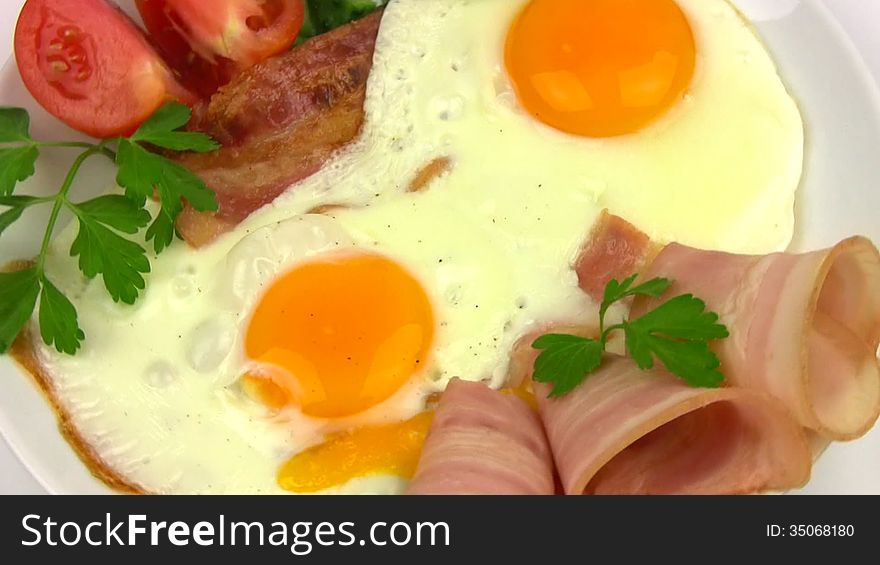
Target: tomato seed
x=70, y=33
x=59, y=66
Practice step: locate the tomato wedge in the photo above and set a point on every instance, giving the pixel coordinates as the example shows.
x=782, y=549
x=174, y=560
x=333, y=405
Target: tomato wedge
x=88, y=64
x=207, y=43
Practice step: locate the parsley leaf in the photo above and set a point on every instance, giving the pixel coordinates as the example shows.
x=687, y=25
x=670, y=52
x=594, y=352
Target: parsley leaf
x=682, y=317
x=100, y=245
x=617, y=291
x=59, y=325
x=692, y=361
x=180, y=182
x=17, y=206
x=133, y=172
x=18, y=201
x=121, y=261
x=168, y=118
x=16, y=164
x=18, y=297
x=9, y=217
x=161, y=232
x=676, y=332
x=116, y=211
x=566, y=360
x=324, y=15
x=14, y=125
x=141, y=173
x=159, y=130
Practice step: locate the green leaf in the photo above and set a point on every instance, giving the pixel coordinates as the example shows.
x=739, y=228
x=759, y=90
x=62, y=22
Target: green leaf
x=16, y=165
x=59, y=325
x=308, y=29
x=121, y=262
x=9, y=217
x=330, y=14
x=179, y=182
x=615, y=291
x=566, y=361
x=14, y=125
x=136, y=171
x=17, y=205
x=116, y=211
x=653, y=288
x=682, y=317
x=99, y=245
x=325, y=15
x=160, y=128
x=18, y=201
x=639, y=348
x=169, y=117
x=677, y=333
x=691, y=361
x=161, y=232
x=141, y=173
x=18, y=297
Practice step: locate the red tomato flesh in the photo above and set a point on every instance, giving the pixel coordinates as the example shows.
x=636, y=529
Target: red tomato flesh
x=88, y=64
x=208, y=43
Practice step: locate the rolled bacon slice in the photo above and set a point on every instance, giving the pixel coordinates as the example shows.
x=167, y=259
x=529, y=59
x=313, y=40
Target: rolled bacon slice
x=803, y=327
x=628, y=431
x=483, y=441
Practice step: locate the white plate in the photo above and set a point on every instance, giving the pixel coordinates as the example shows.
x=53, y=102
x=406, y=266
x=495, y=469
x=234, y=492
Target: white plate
x=840, y=196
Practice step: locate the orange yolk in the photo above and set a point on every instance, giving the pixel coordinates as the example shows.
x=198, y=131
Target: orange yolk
x=393, y=450
x=600, y=68
x=338, y=336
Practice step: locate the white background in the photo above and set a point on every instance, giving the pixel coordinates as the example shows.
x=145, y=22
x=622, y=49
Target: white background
x=860, y=18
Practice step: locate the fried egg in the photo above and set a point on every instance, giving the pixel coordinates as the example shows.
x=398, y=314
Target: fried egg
x=299, y=352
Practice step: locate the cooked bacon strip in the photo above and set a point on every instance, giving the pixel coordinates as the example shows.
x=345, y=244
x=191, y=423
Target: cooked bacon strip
x=483, y=442
x=614, y=249
x=279, y=122
x=627, y=431
x=803, y=327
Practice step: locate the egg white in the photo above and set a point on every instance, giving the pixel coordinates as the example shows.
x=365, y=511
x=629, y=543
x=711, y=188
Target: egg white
x=492, y=241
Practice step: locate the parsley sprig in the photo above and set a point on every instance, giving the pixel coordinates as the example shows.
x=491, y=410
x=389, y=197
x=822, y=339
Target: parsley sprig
x=100, y=245
x=677, y=332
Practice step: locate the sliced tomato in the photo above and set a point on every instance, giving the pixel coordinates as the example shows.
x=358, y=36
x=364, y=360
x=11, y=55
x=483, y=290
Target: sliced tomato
x=88, y=64
x=208, y=43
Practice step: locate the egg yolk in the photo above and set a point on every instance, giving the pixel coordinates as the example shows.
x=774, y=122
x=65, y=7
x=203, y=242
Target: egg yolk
x=600, y=68
x=339, y=335
x=390, y=450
